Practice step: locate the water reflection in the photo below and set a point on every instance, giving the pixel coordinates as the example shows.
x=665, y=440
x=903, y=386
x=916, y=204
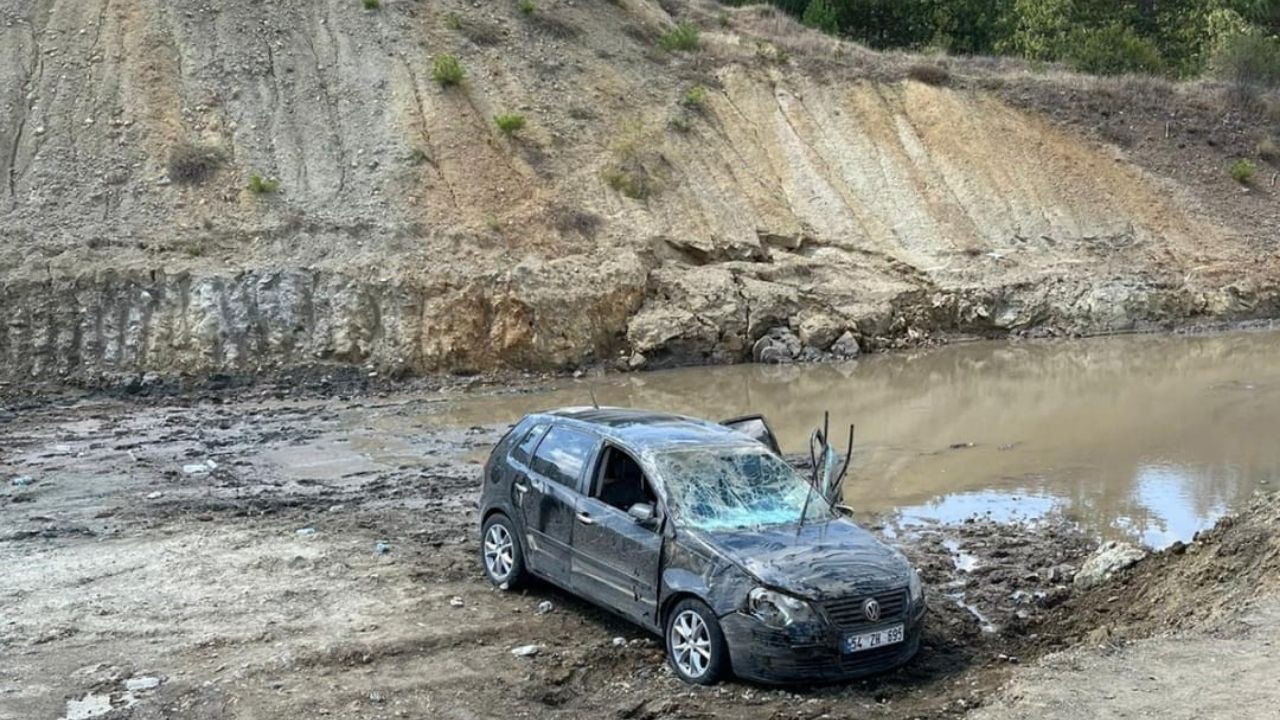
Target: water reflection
x=1146, y=437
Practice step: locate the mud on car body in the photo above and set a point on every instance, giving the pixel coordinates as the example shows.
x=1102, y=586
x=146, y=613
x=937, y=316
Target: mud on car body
x=702, y=533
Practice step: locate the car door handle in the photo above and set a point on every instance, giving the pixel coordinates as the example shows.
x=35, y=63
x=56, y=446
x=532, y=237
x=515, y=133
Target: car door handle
x=520, y=487
x=585, y=519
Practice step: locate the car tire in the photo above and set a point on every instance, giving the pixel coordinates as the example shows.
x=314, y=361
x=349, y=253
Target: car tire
x=500, y=553
x=695, y=643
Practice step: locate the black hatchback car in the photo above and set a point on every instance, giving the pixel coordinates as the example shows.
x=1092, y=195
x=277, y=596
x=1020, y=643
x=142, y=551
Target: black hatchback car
x=702, y=533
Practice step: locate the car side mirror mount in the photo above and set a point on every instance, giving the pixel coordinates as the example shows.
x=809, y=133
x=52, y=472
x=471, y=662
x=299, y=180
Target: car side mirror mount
x=844, y=509
x=642, y=513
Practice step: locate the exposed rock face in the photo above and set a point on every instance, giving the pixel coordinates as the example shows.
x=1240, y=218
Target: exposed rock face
x=408, y=233
x=113, y=324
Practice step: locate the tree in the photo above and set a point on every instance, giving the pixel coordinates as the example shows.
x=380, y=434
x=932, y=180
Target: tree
x=820, y=14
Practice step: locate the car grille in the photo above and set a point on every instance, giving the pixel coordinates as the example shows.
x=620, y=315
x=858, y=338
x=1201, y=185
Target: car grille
x=847, y=614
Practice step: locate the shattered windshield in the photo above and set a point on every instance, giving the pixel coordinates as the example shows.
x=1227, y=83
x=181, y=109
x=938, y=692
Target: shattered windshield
x=736, y=488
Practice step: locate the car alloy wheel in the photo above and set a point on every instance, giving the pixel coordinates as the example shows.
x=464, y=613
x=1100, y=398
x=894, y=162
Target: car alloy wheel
x=691, y=644
x=695, y=643
x=499, y=552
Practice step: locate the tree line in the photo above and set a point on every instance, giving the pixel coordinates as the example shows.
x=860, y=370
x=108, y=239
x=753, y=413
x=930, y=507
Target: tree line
x=1236, y=39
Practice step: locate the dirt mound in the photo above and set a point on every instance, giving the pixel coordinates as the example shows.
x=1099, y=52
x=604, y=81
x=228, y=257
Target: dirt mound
x=1205, y=585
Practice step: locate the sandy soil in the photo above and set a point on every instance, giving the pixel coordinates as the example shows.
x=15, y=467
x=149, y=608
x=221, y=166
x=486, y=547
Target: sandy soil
x=261, y=558
x=1195, y=676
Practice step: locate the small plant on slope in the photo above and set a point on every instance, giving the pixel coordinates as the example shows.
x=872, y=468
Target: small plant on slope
x=447, y=70
x=1242, y=171
x=509, y=123
x=683, y=37
x=259, y=185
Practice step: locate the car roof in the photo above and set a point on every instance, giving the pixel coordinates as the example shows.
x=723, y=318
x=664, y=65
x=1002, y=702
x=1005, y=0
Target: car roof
x=642, y=430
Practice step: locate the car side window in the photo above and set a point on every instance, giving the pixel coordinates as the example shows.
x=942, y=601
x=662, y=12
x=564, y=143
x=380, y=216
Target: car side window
x=522, y=452
x=621, y=482
x=562, y=454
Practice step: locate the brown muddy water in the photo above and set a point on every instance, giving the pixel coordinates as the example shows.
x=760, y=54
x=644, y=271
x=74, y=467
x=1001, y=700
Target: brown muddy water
x=1149, y=438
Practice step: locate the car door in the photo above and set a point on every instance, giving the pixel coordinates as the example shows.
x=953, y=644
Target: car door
x=616, y=557
x=757, y=428
x=547, y=497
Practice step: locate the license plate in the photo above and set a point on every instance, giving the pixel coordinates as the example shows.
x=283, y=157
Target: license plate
x=874, y=639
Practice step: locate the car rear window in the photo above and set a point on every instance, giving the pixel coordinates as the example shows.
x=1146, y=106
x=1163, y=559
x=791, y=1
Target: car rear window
x=522, y=452
x=562, y=455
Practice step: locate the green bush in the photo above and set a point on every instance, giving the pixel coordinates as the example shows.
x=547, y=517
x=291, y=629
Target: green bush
x=259, y=185
x=695, y=98
x=447, y=70
x=1242, y=171
x=527, y=7
x=683, y=37
x=372, y=4
x=1112, y=50
x=453, y=21
x=821, y=14
x=509, y=123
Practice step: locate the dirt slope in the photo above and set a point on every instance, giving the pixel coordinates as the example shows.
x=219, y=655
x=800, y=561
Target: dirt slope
x=1188, y=633
x=815, y=187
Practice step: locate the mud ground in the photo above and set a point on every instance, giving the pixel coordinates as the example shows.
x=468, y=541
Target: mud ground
x=277, y=558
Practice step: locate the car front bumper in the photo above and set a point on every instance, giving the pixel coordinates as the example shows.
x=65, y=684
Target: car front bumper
x=764, y=654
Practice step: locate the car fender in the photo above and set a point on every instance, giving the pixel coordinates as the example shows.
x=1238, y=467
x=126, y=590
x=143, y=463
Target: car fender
x=722, y=586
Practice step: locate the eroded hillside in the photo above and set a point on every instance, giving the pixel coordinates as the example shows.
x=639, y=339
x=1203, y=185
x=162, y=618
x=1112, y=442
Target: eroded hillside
x=808, y=184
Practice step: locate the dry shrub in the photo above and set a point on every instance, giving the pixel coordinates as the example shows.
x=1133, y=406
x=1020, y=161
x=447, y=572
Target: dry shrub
x=477, y=30
x=190, y=163
x=568, y=220
x=929, y=74
x=1269, y=151
x=554, y=26
x=636, y=165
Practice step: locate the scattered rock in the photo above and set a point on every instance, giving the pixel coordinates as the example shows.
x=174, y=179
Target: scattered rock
x=22, y=481
x=637, y=361
x=382, y=548
x=526, y=650
x=846, y=346
x=307, y=531
x=1109, y=559
x=819, y=331
x=779, y=345
x=456, y=601
x=619, y=642
x=545, y=607
x=203, y=468
x=138, y=684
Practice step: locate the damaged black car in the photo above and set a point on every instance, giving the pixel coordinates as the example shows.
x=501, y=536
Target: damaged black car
x=700, y=532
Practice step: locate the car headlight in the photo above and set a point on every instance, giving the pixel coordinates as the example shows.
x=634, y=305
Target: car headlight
x=778, y=610
x=915, y=587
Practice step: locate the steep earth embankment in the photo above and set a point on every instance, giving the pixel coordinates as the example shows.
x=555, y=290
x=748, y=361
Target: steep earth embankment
x=813, y=185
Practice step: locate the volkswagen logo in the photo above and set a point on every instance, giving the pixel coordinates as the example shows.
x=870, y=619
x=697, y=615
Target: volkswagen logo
x=871, y=609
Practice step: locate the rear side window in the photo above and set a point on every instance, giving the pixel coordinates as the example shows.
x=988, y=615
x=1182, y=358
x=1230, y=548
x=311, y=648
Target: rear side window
x=563, y=454
x=522, y=452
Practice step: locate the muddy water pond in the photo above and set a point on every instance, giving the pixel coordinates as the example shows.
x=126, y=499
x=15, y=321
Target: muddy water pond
x=1149, y=438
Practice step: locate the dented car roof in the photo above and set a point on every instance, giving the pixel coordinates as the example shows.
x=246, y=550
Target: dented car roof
x=647, y=430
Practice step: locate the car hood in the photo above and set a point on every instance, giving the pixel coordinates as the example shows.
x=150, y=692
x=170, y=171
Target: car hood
x=821, y=561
